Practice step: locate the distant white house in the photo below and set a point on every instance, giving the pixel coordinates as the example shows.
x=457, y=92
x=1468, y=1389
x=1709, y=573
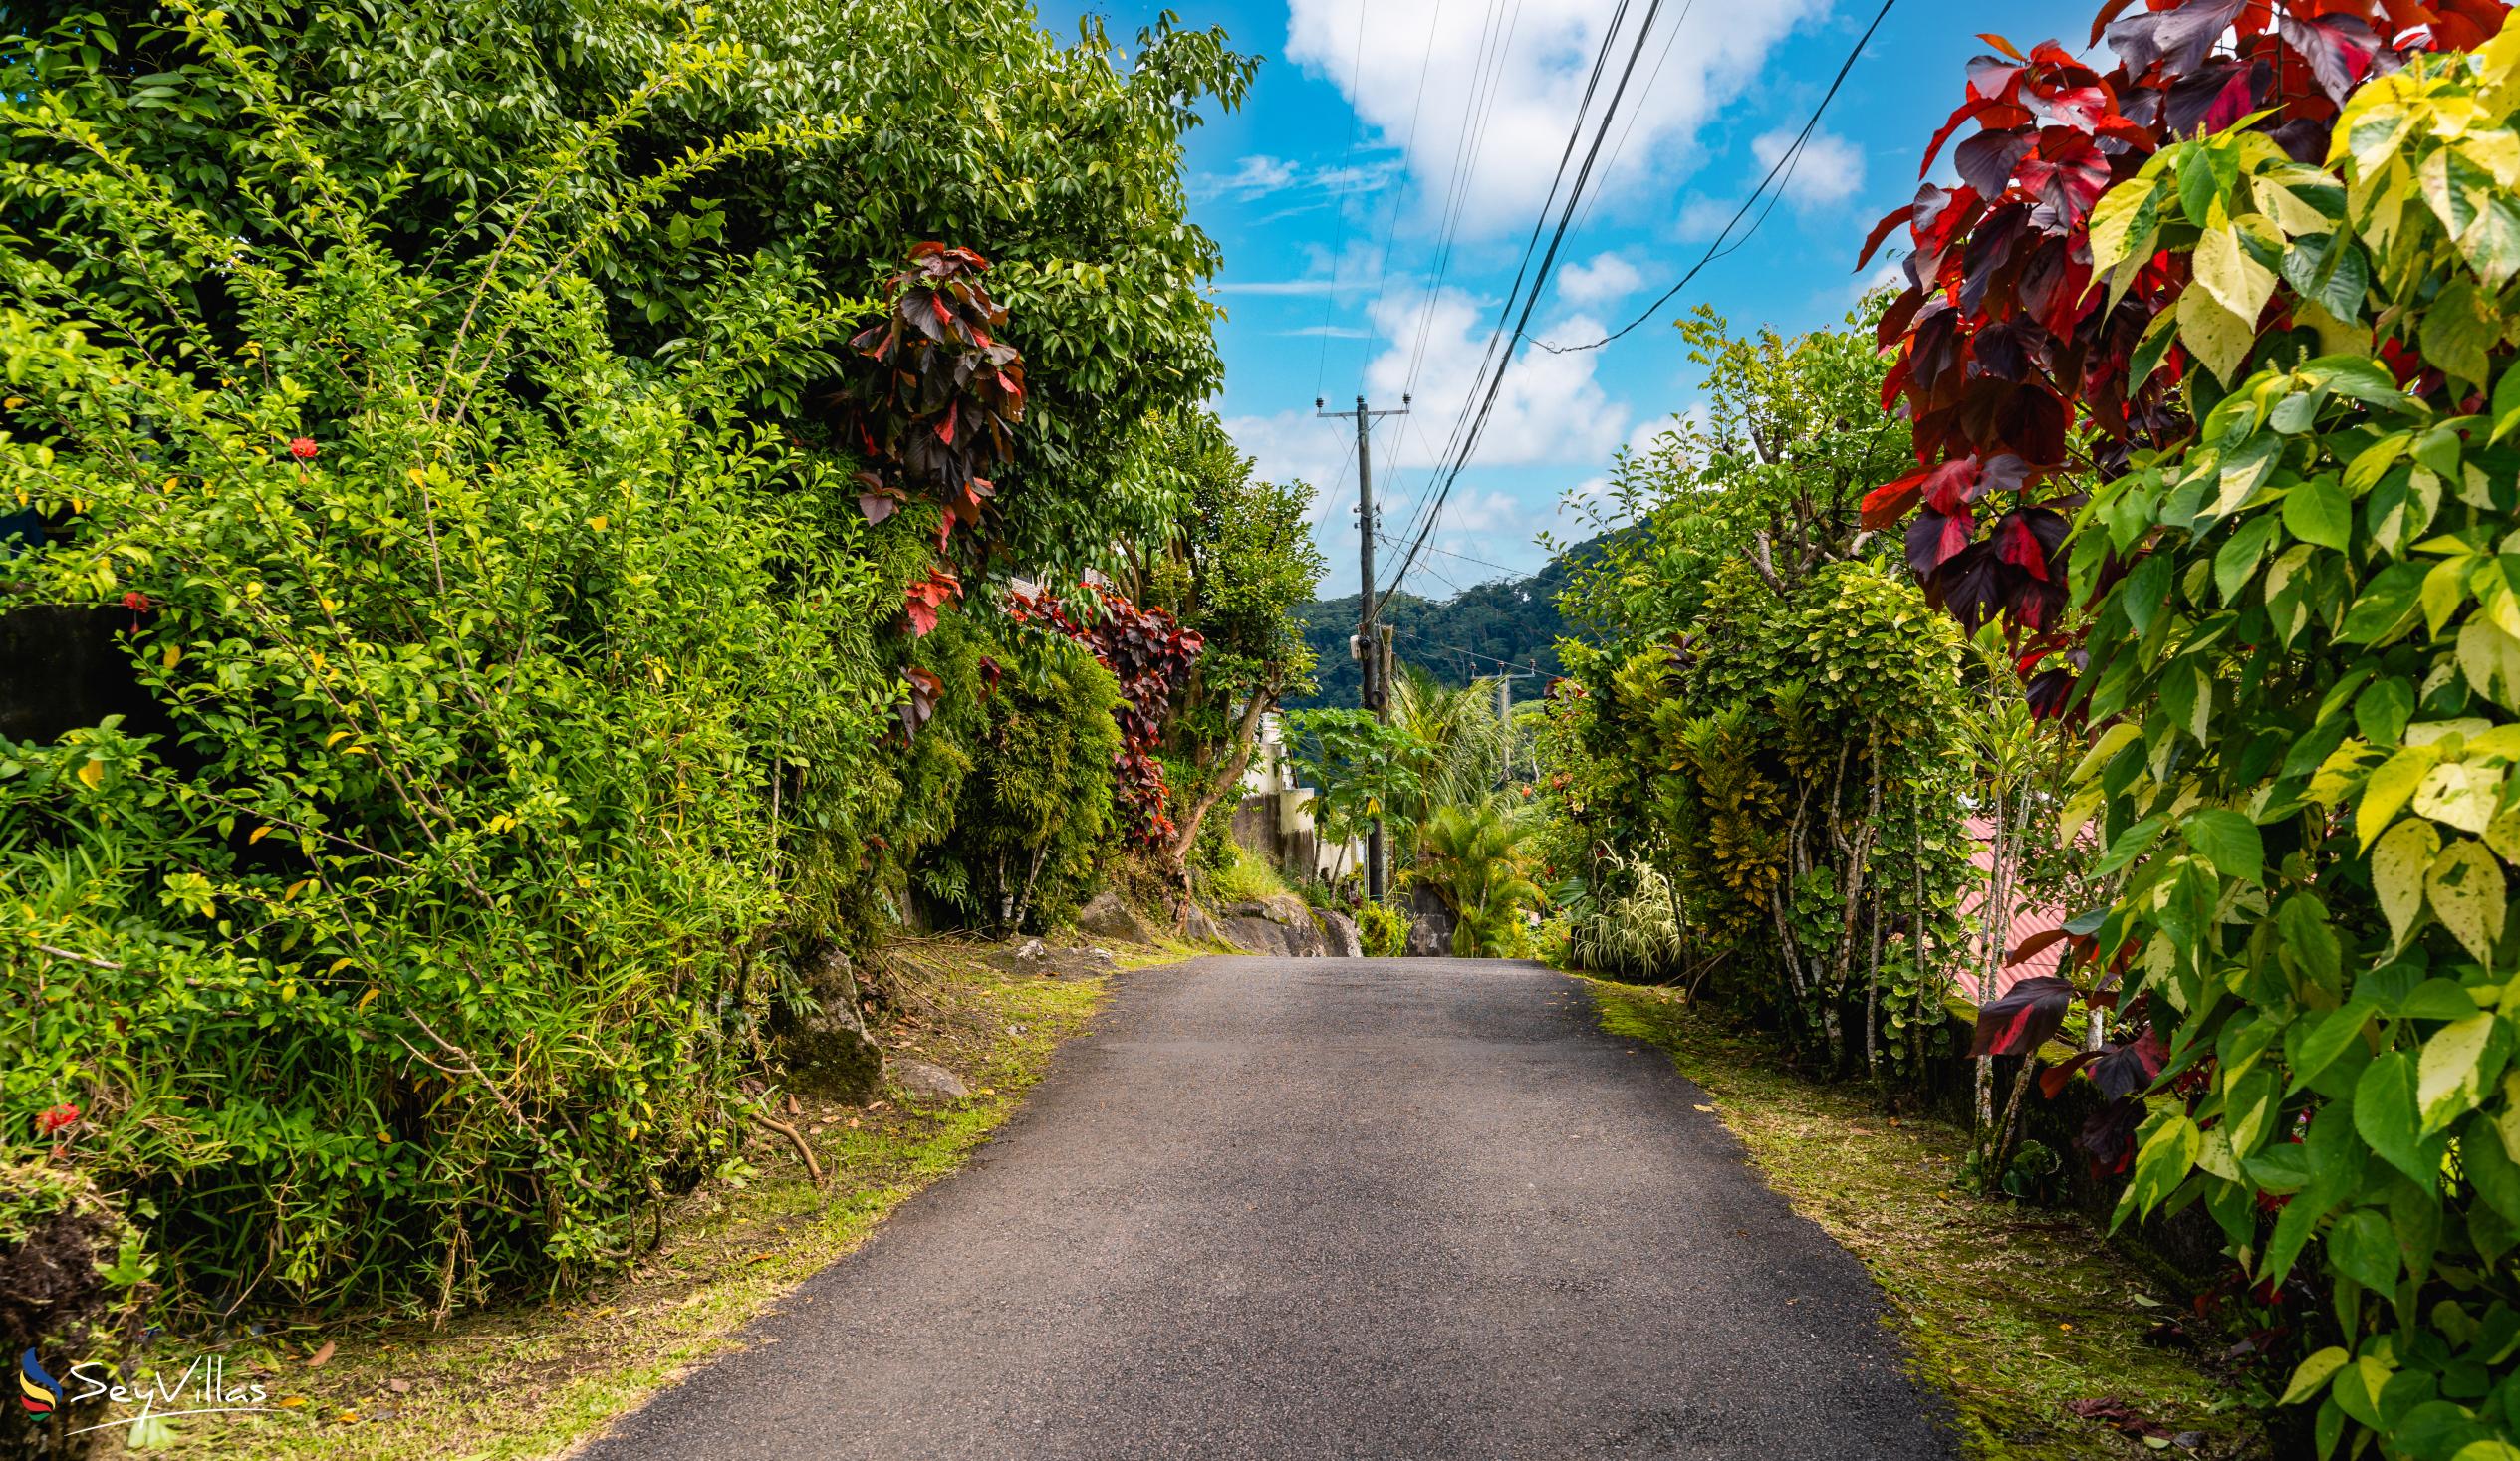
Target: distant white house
x=1275, y=817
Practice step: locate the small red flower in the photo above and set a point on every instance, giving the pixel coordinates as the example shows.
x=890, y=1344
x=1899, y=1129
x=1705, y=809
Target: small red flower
x=137, y=601
x=302, y=447
x=47, y=1122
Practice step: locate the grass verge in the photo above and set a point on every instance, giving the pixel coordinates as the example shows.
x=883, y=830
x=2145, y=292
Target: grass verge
x=2012, y=1312
x=532, y=1379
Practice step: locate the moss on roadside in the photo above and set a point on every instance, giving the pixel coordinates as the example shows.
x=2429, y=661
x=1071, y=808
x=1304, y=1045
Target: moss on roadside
x=530, y=1380
x=2010, y=1311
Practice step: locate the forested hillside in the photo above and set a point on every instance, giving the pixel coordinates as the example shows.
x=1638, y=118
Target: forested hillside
x=1509, y=625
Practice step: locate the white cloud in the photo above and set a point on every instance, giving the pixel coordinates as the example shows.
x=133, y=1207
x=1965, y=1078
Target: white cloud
x=1605, y=281
x=1702, y=218
x=1828, y=171
x=1551, y=410
x=1513, y=96
x=1251, y=177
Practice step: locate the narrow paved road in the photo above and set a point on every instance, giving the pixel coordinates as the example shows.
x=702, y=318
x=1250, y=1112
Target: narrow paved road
x=1320, y=1208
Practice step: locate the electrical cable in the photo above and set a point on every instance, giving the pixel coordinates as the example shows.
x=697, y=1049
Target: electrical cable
x=1540, y=279
x=1716, y=249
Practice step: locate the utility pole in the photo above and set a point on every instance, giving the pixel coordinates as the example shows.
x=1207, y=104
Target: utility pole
x=1505, y=710
x=1371, y=651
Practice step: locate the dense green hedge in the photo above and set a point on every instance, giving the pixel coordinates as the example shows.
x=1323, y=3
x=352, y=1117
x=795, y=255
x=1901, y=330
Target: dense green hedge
x=440, y=393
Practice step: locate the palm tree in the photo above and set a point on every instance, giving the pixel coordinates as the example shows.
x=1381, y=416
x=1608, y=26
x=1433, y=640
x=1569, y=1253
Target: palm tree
x=1470, y=855
x=1462, y=742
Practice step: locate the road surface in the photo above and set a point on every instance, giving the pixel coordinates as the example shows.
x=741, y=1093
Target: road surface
x=1316, y=1208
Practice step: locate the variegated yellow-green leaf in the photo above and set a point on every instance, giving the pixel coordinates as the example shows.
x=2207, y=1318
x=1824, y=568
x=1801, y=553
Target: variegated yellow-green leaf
x=2105, y=746
x=2241, y=284
x=2451, y=1077
x=2313, y=1375
x=2461, y=794
x=2490, y=659
x=2465, y=888
x=2503, y=836
x=2219, y=339
x=2398, y=865
x=2388, y=789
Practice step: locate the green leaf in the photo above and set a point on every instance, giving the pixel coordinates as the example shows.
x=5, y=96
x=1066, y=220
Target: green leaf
x=2387, y=789
x=2313, y=1375
x=2460, y=329
x=2399, y=866
x=2467, y=891
x=2386, y=607
x=2129, y=845
x=2363, y=1248
x=2309, y=938
x=2489, y=1167
x=2330, y=272
x=2336, y=1030
x=2459, y=1061
x=2388, y=1116
x=2230, y=841
x=2382, y=711
x=2237, y=563
x=2319, y=511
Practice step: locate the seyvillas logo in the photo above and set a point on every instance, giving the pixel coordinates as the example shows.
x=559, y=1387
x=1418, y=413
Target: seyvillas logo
x=38, y=1392
x=200, y=1388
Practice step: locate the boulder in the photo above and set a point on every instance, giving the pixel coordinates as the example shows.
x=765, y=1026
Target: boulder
x=1199, y=926
x=920, y=1081
x=1109, y=917
x=827, y=1050
x=1430, y=932
x=1282, y=926
x=1339, y=931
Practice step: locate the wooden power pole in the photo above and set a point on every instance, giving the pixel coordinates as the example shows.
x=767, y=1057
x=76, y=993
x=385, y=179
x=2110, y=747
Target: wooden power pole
x=1372, y=650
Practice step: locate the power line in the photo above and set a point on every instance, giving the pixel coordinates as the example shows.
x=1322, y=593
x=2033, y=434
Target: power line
x=1670, y=43
x=1716, y=249
x=1472, y=654
x=1540, y=280
x=1425, y=58
x=1487, y=72
x=1488, y=357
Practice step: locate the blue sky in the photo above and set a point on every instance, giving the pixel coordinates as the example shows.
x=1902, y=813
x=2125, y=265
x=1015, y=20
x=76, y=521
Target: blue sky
x=1331, y=188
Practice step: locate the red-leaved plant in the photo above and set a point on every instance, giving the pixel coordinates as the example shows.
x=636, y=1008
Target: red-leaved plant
x=935, y=416
x=1151, y=656
x=2017, y=375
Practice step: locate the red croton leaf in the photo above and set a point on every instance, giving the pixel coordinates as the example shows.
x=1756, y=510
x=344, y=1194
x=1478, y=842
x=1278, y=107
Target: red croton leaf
x=2023, y=1018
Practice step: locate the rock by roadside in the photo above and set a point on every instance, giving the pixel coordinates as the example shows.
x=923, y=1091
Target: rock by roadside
x=828, y=1051
x=1339, y=933
x=1281, y=925
x=1430, y=932
x=922, y=1081
x=1109, y=915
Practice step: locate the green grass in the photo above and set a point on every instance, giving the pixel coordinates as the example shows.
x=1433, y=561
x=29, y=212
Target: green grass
x=1245, y=878
x=2010, y=1311
x=530, y=1380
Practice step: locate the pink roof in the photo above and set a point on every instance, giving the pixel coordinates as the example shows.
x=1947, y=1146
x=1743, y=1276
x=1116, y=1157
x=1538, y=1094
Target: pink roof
x=2026, y=919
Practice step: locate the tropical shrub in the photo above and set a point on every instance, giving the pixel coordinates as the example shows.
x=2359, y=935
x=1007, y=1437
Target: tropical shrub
x=1382, y=929
x=416, y=954
x=1469, y=854
x=2018, y=376
x=1152, y=657
x=1037, y=812
x=2305, y=669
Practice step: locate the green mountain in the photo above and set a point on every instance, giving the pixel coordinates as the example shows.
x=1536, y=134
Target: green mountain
x=1485, y=629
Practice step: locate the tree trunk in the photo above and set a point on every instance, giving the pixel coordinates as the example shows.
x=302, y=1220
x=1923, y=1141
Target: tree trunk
x=1229, y=775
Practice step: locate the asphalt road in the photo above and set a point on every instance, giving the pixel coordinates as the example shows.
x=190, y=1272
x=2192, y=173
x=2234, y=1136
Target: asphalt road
x=1318, y=1208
